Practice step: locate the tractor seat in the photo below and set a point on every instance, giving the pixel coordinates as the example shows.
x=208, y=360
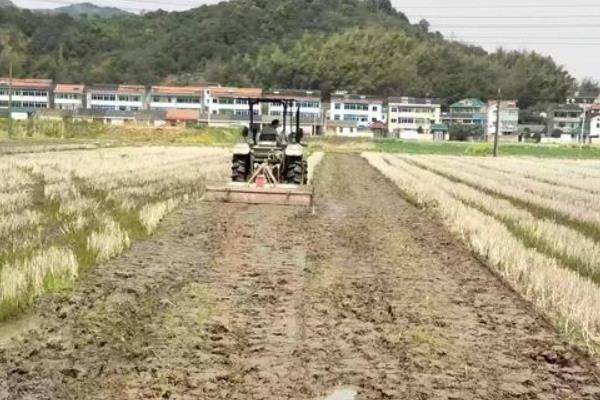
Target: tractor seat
x=267, y=137
x=268, y=134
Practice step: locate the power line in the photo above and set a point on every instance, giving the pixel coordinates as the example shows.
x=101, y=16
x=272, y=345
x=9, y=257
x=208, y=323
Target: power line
x=528, y=43
x=452, y=37
x=505, y=17
x=518, y=26
x=500, y=6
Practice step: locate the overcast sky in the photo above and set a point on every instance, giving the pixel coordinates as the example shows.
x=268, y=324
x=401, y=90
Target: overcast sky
x=568, y=30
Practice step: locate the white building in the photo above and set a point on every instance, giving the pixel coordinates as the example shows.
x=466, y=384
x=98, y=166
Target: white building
x=309, y=103
x=69, y=97
x=359, y=110
x=28, y=95
x=116, y=97
x=509, y=117
x=595, y=127
x=226, y=104
x=412, y=116
x=176, y=98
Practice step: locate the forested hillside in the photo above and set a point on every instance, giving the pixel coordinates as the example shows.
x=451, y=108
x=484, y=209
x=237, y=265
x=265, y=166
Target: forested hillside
x=79, y=9
x=362, y=45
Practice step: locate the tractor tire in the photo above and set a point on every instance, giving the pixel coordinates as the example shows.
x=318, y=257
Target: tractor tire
x=239, y=169
x=295, y=172
x=305, y=175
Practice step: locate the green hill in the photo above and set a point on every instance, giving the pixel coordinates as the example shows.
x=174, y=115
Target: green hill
x=79, y=9
x=363, y=45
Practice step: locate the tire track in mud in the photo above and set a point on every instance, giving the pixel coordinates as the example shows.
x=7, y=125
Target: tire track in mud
x=256, y=302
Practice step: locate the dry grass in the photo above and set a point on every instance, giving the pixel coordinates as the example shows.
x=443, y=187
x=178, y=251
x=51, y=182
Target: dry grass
x=313, y=161
x=555, y=266
x=94, y=202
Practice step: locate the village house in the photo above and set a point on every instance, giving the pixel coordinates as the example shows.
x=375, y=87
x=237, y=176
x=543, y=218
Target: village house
x=353, y=114
x=467, y=112
x=566, y=119
x=509, y=117
x=358, y=109
x=229, y=105
x=176, y=98
x=69, y=97
x=409, y=117
x=309, y=103
x=28, y=95
x=583, y=100
x=116, y=97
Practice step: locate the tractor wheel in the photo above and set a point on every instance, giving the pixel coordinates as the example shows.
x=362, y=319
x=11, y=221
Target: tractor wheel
x=239, y=169
x=294, y=172
x=305, y=175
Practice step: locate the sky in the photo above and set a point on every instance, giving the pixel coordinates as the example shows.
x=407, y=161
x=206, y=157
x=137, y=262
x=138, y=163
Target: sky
x=568, y=30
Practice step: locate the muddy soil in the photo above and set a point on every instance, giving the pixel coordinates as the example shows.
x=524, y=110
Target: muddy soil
x=258, y=302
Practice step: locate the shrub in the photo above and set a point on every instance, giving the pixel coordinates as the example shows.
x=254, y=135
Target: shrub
x=479, y=149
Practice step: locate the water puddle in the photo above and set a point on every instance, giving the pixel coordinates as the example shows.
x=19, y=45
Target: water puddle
x=343, y=394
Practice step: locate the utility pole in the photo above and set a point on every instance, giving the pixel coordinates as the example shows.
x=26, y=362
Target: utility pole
x=10, y=73
x=497, y=124
x=582, y=133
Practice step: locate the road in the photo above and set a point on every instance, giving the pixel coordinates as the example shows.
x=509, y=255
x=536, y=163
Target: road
x=259, y=302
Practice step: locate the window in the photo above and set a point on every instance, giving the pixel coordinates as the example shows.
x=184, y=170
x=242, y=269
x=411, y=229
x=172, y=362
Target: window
x=356, y=106
x=393, y=120
x=309, y=115
x=66, y=96
x=336, y=117
x=104, y=97
x=30, y=93
x=98, y=107
x=307, y=104
x=188, y=100
x=375, y=108
x=337, y=106
x=29, y=104
x=394, y=109
x=161, y=99
x=129, y=98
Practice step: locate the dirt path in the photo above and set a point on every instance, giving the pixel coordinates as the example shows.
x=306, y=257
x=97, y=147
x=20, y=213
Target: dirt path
x=239, y=302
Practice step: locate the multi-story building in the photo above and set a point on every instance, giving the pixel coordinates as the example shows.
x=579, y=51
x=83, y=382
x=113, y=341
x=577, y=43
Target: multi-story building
x=583, y=100
x=229, y=103
x=359, y=110
x=595, y=127
x=467, y=112
x=309, y=103
x=509, y=117
x=567, y=119
x=28, y=95
x=410, y=116
x=69, y=97
x=116, y=97
x=176, y=98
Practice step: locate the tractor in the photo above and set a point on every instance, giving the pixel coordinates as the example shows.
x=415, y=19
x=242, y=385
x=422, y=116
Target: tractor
x=269, y=165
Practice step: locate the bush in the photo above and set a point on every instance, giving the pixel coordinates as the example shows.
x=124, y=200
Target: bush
x=479, y=149
x=463, y=133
